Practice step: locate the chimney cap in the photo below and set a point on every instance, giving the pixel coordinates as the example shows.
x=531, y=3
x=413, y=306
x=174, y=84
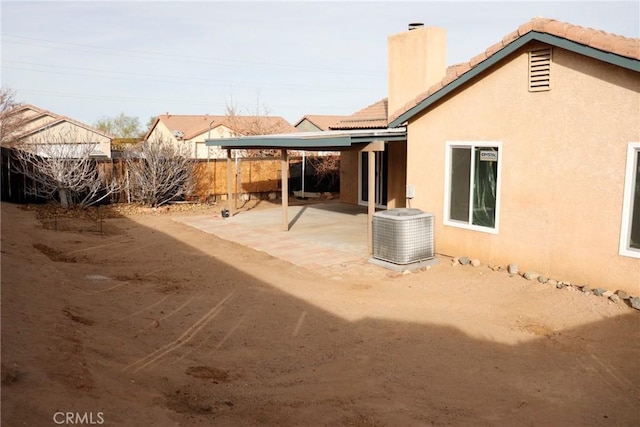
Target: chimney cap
x=414, y=25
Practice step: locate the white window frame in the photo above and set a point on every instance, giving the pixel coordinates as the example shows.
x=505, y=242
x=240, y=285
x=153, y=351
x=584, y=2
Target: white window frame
x=627, y=201
x=447, y=185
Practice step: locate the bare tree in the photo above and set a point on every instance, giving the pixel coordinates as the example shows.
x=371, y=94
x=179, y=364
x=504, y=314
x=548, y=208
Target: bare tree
x=251, y=122
x=159, y=172
x=10, y=122
x=67, y=172
x=326, y=169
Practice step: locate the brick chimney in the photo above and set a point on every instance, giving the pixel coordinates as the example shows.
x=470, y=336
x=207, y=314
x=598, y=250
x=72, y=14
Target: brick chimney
x=417, y=60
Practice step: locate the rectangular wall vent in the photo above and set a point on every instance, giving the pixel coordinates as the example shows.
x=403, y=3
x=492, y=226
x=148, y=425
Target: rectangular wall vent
x=540, y=70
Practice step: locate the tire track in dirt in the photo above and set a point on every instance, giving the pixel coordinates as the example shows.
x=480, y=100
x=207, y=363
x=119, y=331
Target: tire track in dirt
x=171, y=313
x=222, y=341
x=142, y=310
x=187, y=336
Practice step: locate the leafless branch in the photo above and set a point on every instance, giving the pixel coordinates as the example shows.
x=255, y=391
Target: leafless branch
x=63, y=169
x=326, y=168
x=252, y=122
x=10, y=121
x=160, y=172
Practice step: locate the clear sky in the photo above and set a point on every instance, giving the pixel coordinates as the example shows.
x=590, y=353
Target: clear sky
x=89, y=59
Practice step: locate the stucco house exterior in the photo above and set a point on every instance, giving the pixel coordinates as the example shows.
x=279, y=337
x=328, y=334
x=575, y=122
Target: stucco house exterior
x=530, y=152
x=35, y=125
x=193, y=130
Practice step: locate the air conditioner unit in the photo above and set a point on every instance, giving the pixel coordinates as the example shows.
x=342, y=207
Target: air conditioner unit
x=403, y=236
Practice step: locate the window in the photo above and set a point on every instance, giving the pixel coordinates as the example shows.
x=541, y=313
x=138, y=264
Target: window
x=630, y=230
x=540, y=70
x=472, y=185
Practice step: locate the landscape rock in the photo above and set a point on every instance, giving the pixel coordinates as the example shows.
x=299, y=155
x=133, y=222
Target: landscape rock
x=622, y=294
x=615, y=298
x=635, y=302
x=607, y=294
x=512, y=268
x=586, y=289
x=455, y=261
x=543, y=279
x=464, y=260
x=475, y=262
x=560, y=285
x=552, y=282
x=598, y=292
x=531, y=275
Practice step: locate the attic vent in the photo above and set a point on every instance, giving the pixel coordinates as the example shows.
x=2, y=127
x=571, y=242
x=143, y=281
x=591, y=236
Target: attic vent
x=178, y=134
x=540, y=70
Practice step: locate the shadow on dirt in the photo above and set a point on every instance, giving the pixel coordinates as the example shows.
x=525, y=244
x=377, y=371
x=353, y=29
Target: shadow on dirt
x=157, y=331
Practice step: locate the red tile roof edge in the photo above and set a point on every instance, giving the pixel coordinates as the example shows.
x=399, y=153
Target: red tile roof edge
x=376, y=112
x=597, y=39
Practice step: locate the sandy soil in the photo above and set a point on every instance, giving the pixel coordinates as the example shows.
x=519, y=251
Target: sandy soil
x=154, y=323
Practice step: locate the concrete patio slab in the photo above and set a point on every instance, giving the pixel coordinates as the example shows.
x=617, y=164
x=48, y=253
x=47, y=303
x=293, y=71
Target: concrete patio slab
x=326, y=237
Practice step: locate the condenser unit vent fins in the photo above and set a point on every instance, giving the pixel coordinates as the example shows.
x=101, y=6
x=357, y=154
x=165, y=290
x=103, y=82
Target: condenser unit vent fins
x=403, y=236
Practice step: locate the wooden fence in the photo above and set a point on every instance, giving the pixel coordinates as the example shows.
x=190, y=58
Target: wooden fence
x=251, y=176
x=254, y=177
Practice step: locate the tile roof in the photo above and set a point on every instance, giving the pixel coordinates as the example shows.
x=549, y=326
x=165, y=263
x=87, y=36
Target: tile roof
x=322, y=122
x=55, y=119
x=372, y=117
x=194, y=125
x=597, y=39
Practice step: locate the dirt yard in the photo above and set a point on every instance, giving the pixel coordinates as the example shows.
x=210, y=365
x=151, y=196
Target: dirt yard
x=150, y=322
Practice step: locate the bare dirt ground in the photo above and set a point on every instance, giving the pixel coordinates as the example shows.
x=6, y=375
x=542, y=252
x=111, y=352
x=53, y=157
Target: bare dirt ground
x=154, y=323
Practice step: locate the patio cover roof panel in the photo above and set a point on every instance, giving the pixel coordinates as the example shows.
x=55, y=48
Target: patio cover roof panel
x=313, y=141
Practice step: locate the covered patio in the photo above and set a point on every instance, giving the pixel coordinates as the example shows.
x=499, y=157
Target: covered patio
x=367, y=141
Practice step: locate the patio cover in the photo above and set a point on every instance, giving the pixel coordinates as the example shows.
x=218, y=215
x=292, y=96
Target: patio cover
x=365, y=140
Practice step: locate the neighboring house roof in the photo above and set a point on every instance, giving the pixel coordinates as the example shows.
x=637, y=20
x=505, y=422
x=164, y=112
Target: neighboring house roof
x=372, y=117
x=322, y=122
x=23, y=108
x=59, y=120
x=194, y=125
x=55, y=119
x=607, y=47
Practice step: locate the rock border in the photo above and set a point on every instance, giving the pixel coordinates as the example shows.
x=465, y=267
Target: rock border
x=616, y=297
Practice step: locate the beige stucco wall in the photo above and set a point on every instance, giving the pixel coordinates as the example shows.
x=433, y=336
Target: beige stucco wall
x=397, y=175
x=34, y=123
x=563, y=167
x=306, y=126
x=196, y=145
x=66, y=132
x=349, y=177
x=417, y=59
